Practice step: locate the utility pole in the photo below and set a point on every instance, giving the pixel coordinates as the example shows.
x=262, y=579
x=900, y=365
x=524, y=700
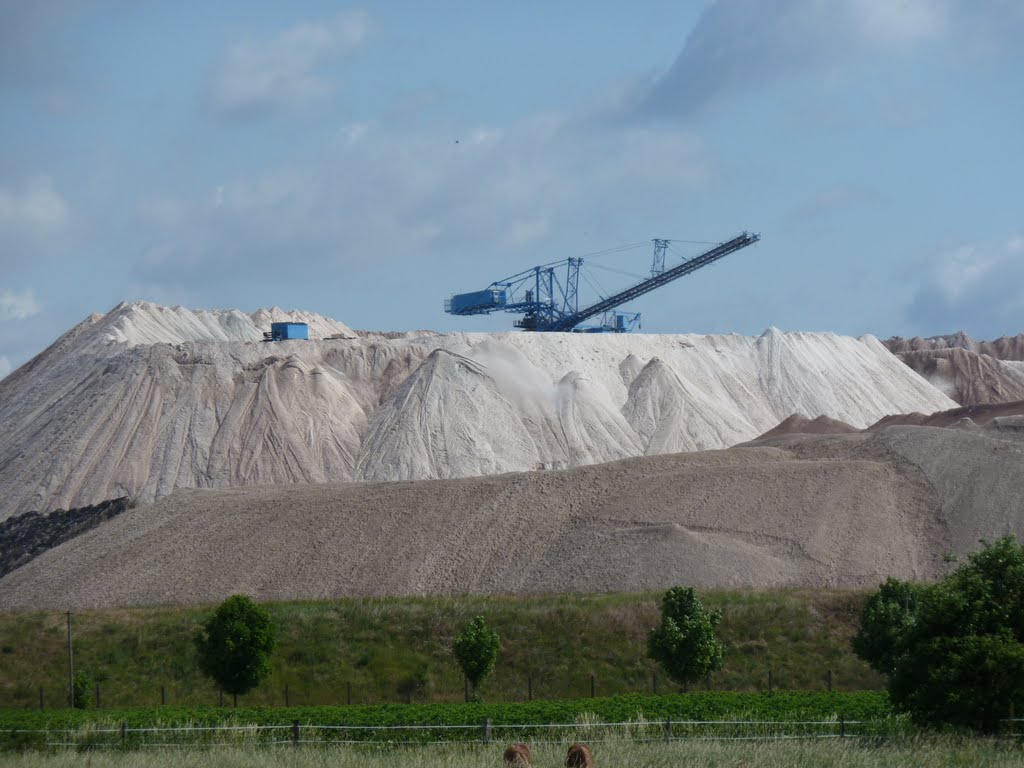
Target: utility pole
x=71, y=668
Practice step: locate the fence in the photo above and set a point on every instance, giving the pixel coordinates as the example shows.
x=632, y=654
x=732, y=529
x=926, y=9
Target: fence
x=486, y=732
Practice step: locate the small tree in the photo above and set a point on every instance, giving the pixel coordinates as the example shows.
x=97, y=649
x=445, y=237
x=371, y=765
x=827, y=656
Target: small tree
x=684, y=644
x=235, y=645
x=957, y=657
x=81, y=690
x=476, y=650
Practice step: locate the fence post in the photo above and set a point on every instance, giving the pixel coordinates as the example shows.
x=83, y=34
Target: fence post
x=769, y=681
x=593, y=687
x=41, y=700
x=163, y=695
x=98, y=704
x=830, y=681
x=487, y=730
x=842, y=726
x=124, y=730
x=286, y=694
x=529, y=687
x=348, y=692
x=1012, y=729
x=295, y=733
x=668, y=729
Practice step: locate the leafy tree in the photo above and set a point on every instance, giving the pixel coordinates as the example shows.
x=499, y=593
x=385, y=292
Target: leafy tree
x=235, y=645
x=685, y=643
x=81, y=688
x=958, y=657
x=476, y=650
x=884, y=621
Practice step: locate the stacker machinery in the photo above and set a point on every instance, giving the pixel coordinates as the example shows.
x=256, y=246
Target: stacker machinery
x=548, y=304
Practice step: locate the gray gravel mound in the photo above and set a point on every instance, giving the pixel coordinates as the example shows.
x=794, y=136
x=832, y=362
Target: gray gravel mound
x=839, y=510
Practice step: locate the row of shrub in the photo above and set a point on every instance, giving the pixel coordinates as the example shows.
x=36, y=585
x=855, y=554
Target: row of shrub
x=23, y=728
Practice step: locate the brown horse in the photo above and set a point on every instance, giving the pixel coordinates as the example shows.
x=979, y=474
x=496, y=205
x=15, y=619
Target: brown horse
x=579, y=756
x=518, y=754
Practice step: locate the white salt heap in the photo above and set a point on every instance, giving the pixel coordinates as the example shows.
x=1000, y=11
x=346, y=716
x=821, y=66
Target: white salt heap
x=147, y=399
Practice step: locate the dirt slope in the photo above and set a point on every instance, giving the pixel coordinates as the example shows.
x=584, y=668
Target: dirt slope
x=835, y=510
x=968, y=371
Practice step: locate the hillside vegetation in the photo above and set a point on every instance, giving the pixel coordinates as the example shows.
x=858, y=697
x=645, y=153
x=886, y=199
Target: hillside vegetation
x=391, y=649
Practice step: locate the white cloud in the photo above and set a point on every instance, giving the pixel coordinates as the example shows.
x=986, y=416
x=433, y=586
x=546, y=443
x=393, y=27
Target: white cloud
x=5, y=366
x=740, y=45
x=257, y=78
x=18, y=306
x=36, y=207
x=978, y=286
x=441, y=194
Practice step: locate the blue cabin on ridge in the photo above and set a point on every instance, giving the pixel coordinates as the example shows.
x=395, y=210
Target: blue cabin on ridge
x=286, y=331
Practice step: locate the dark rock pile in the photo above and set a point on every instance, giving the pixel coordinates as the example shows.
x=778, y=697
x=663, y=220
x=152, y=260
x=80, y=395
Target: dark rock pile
x=25, y=537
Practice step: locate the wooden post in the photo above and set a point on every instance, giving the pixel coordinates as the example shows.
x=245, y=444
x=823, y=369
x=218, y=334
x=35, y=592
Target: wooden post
x=487, y=729
x=593, y=687
x=1012, y=724
x=348, y=692
x=124, y=730
x=295, y=733
x=668, y=729
x=529, y=687
x=71, y=668
x=830, y=681
x=842, y=726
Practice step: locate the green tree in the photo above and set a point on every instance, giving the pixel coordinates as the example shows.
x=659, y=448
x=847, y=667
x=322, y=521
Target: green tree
x=81, y=690
x=476, y=650
x=887, y=615
x=684, y=644
x=235, y=645
x=958, y=657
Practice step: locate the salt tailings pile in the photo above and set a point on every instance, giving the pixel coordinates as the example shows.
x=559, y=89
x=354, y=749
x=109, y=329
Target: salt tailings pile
x=148, y=399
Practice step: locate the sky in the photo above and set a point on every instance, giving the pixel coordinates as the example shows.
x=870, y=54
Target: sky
x=367, y=161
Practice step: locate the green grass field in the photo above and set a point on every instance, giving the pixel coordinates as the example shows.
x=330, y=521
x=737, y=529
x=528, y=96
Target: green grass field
x=382, y=647
x=908, y=753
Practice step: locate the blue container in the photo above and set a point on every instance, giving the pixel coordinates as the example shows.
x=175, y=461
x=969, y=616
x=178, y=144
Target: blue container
x=476, y=302
x=284, y=331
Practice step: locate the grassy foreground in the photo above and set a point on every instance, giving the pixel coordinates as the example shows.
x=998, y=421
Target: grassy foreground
x=387, y=649
x=911, y=753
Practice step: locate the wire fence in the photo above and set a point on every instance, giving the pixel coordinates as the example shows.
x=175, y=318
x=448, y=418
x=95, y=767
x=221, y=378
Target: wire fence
x=123, y=736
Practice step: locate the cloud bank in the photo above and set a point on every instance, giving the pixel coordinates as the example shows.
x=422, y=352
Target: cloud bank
x=260, y=78
x=741, y=45
x=978, y=285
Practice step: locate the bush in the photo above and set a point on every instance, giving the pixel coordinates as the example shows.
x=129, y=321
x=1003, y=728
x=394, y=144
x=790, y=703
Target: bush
x=957, y=657
x=684, y=644
x=476, y=650
x=81, y=690
x=235, y=645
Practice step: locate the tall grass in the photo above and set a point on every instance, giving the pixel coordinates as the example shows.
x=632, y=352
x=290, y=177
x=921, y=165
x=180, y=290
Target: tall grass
x=909, y=753
x=377, y=644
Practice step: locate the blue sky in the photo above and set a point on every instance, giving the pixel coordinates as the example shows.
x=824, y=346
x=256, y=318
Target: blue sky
x=367, y=161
